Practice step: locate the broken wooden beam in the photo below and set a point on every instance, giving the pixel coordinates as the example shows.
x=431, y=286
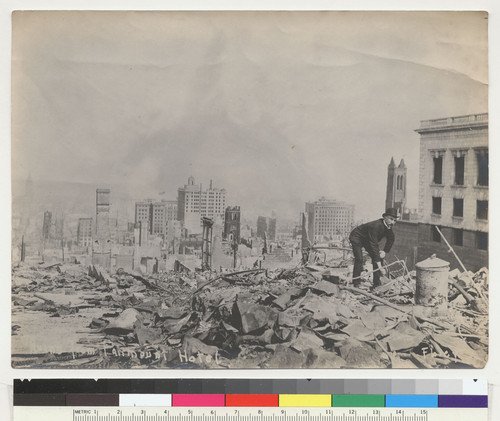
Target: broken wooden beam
x=391, y=305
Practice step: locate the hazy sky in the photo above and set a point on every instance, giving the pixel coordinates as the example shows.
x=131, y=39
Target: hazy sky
x=278, y=108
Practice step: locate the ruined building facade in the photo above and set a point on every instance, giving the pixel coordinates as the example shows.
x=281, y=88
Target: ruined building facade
x=232, y=219
x=47, y=225
x=163, y=212
x=103, y=202
x=84, y=232
x=266, y=228
x=194, y=203
x=154, y=217
x=143, y=214
x=328, y=219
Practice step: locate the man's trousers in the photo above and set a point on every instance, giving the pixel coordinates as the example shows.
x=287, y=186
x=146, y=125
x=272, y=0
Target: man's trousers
x=357, y=250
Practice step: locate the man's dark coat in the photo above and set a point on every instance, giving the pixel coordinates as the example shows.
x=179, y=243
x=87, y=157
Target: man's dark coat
x=369, y=235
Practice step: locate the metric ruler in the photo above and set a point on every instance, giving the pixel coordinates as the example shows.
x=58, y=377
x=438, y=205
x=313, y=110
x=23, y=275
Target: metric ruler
x=29, y=413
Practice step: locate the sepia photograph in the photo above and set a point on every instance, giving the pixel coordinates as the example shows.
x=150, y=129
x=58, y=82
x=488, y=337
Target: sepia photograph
x=249, y=190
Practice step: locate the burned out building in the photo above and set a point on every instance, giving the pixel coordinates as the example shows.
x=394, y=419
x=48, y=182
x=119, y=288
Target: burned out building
x=266, y=228
x=84, y=232
x=328, y=219
x=144, y=213
x=47, y=225
x=102, y=226
x=194, y=203
x=232, y=219
x=162, y=212
x=154, y=216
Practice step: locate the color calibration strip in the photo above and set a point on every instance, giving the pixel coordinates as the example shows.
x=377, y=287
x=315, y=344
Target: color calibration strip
x=241, y=393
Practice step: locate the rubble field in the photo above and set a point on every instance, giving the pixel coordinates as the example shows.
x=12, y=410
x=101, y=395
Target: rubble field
x=76, y=316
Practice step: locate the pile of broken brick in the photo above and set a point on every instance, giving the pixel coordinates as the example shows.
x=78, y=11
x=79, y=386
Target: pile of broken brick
x=305, y=317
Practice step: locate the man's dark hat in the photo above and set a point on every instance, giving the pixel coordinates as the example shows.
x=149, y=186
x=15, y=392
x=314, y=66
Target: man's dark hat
x=391, y=212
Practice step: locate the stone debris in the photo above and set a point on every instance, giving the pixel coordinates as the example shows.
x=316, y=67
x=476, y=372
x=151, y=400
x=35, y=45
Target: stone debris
x=307, y=317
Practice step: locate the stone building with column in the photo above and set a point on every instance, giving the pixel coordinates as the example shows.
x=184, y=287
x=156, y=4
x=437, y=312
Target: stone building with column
x=454, y=185
x=453, y=192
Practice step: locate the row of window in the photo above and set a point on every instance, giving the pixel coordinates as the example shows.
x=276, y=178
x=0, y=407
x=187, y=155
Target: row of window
x=459, y=171
x=480, y=238
x=458, y=207
x=333, y=223
x=332, y=227
x=326, y=214
x=85, y=231
x=204, y=203
x=333, y=211
x=205, y=197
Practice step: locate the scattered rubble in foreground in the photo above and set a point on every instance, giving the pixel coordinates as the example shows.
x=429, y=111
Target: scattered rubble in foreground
x=306, y=317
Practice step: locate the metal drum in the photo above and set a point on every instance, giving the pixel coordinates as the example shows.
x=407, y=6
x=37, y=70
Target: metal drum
x=432, y=284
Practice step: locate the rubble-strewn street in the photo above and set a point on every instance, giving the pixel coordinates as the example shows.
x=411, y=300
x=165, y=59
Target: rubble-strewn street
x=76, y=316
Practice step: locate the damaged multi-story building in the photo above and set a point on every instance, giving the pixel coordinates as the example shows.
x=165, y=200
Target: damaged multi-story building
x=453, y=193
x=328, y=219
x=155, y=216
x=102, y=226
x=266, y=228
x=195, y=203
x=84, y=233
x=232, y=224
